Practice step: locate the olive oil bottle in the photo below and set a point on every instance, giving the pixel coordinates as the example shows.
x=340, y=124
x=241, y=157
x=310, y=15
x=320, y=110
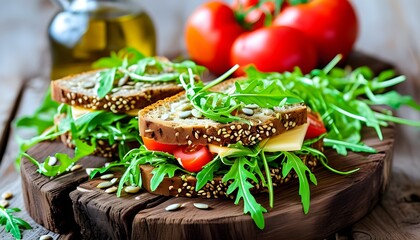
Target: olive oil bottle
x=87, y=30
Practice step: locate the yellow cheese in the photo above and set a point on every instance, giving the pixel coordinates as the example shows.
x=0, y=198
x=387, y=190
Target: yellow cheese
x=222, y=151
x=79, y=111
x=290, y=140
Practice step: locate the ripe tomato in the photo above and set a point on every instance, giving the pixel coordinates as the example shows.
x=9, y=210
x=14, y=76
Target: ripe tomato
x=193, y=158
x=209, y=34
x=153, y=145
x=331, y=24
x=253, y=18
x=316, y=127
x=274, y=49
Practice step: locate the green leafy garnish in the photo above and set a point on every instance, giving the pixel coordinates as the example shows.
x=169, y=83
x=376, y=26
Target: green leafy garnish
x=128, y=63
x=12, y=224
x=219, y=106
x=346, y=101
x=239, y=174
x=85, y=131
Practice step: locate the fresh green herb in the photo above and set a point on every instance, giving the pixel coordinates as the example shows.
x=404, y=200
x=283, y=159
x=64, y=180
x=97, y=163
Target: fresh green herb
x=164, y=165
x=345, y=100
x=85, y=131
x=219, y=106
x=11, y=223
x=129, y=63
x=239, y=175
x=43, y=117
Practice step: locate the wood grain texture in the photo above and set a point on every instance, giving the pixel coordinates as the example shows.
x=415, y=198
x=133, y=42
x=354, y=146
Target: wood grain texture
x=338, y=201
x=47, y=200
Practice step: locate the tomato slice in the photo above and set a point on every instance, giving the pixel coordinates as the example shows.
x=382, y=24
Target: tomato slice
x=316, y=127
x=194, y=157
x=153, y=145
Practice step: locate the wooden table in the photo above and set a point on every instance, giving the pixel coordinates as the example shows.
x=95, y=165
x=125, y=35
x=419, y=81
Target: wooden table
x=388, y=31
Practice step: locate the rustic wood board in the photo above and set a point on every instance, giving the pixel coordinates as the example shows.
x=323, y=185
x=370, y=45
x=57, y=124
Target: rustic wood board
x=337, y=202
x=47, y=199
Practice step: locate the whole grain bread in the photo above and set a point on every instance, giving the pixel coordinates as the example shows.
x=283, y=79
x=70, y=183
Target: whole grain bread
x=79, y=90
x=173, y=121
x=184, y=185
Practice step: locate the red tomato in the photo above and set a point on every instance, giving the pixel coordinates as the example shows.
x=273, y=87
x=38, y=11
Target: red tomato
x=153, y=145
x=255, y=18
x=209, y=34
x=274, y=49
x=193, y=158
x=316, y=127
x=331, y=24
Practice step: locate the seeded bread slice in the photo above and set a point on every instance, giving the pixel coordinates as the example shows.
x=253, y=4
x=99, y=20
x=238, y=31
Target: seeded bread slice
x=184, y=186
x=79, y=91
x=172, y=121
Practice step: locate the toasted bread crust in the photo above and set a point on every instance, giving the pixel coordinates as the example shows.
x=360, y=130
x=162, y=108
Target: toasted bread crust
x=79, y=90
x=184, y=186
x=169, y=132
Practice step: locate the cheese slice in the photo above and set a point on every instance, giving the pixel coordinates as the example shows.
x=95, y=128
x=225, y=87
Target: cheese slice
x=222, y=151
x=290, y=140
x=79, y=111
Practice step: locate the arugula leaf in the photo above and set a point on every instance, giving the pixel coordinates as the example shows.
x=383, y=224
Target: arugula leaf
x=43, y=116
x=106, y=81
x=239, y=174
x=12, y=224
x=160, y=171
x=207, y=173
x=131, y=55
x=294, y=162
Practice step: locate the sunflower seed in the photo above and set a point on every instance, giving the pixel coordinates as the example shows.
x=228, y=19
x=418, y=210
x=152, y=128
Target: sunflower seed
x=111, y=189
x=252, y=106
x=122, y=81
x=104, y=185
x=7, y=195
x=4, y=203
x=185, y=106
x=131, y=189
x=46, y=237
x=75, y=167
x=114, y=180
x=201, y=205
x=83, y=189
x=248, y=111
x=184, y=114
x=114, y=90
x=89, y=170
x=138, y=85
x=88, y=85
x=165, y=116
x=196, y=113
x=52, y=161
x=107, y=176
x=173, y=207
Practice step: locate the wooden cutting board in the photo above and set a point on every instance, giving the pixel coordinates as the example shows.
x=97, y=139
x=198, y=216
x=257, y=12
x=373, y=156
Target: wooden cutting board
x=72, y=204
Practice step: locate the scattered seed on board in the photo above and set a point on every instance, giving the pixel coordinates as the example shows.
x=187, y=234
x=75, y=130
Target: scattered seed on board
x=201, y=205
x=173, y=207
x=89, y=170
x=83, y=189
x=4, y=203
x=46, y=237
x=75, y=167
x=114, y=180
x=131, y=189
x=7, y=195
x=104, y=185
x=107, y=176
x=52, y=161
x=111, y=189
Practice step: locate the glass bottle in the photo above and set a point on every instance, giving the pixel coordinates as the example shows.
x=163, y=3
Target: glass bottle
x=87, y=30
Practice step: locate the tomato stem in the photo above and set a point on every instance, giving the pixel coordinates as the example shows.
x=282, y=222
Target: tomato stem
x=297, y=2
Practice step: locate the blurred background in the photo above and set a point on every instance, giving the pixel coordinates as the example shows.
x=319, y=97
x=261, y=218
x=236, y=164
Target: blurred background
x=389, y=30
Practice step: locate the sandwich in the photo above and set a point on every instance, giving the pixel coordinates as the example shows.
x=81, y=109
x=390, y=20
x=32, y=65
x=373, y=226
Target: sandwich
x=95, y=112
x=232, y=139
